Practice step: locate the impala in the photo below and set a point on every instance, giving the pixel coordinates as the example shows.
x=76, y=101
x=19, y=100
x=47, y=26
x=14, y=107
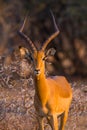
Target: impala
x=53, y=94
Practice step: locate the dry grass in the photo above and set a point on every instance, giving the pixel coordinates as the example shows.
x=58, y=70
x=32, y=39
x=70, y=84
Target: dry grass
x=16, y=101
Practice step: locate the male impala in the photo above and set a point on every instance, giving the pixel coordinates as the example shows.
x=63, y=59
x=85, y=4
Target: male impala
x=53, y=95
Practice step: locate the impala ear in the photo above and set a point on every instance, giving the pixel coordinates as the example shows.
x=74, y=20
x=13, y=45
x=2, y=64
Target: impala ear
x=51, y=52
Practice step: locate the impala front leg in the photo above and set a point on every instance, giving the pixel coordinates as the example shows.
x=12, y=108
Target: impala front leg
x=63, y=120
x=54, y=122
x=41, y=123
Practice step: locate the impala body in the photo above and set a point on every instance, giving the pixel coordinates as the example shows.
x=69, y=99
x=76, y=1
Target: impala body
x=53, y=94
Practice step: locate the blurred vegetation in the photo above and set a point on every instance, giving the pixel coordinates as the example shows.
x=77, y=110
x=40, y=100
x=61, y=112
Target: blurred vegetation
x=71, y=44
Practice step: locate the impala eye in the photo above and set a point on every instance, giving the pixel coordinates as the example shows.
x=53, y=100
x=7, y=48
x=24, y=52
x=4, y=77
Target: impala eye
x=44, y=58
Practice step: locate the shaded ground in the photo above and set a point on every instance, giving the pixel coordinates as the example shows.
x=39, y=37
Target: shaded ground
x=16, y=102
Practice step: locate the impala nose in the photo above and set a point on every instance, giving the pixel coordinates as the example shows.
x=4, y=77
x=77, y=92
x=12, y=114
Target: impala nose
x=37, y=71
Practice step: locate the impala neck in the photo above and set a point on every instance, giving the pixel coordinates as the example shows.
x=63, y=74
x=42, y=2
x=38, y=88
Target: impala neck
x=41, y=88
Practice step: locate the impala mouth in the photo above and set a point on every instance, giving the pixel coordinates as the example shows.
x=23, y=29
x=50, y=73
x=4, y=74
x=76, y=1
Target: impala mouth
x=37, y=71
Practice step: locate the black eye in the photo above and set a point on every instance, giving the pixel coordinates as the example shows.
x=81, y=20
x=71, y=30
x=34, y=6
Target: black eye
x=44, y=58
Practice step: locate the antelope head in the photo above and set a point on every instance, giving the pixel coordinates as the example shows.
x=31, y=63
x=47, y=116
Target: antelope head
x=38, y=56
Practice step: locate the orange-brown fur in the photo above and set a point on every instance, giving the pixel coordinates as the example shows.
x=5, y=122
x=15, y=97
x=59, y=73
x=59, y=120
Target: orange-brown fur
x=53, y=94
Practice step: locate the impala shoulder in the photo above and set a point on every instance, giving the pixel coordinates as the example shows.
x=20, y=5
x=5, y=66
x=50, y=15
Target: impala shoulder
x=62, y=85
x=57, y=78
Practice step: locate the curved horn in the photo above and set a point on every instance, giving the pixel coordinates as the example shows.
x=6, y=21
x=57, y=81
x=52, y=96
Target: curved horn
x=26, y=37
x=53, y=35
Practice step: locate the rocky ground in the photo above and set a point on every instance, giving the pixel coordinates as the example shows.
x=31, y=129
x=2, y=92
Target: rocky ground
x=16, y=102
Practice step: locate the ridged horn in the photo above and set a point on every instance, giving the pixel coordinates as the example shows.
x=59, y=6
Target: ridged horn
x=26, y=37
x=53, y=35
